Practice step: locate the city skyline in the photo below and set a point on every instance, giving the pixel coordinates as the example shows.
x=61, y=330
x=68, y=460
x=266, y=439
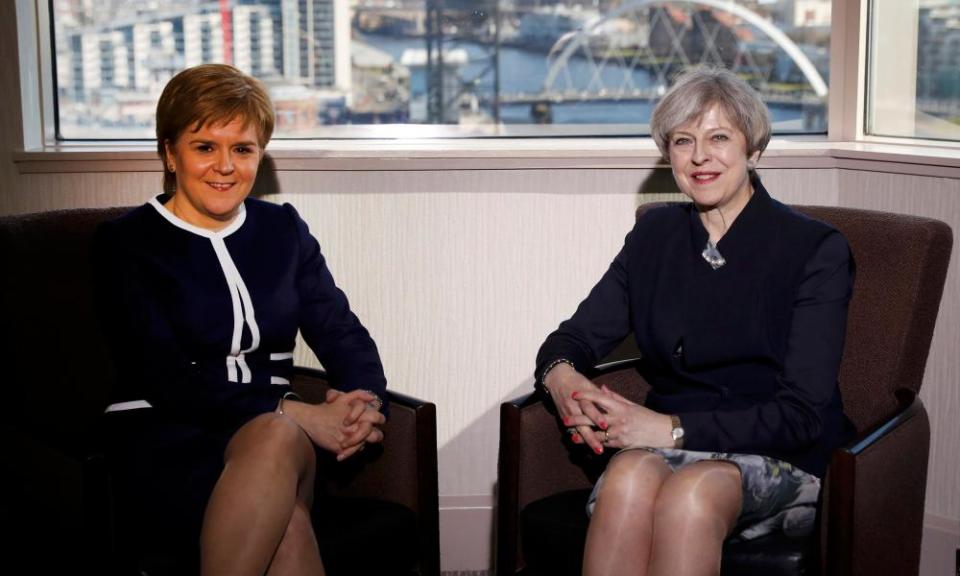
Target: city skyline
x=317, y=58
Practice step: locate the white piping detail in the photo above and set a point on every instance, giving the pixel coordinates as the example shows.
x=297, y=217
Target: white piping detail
x=130, y=405
x=245, y=374
x=232, y=369
x=184, y=225
x=280, y=380
x=242, y=309
x=239, y=295
x=236, y=281
x=281, y=356
x=233, y=277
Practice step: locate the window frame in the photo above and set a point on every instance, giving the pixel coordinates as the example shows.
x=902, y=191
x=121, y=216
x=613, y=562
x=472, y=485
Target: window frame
x=41, y=152
x=904, y=67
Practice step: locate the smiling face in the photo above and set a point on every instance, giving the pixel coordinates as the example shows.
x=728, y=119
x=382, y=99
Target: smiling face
x=215, y=168
x=710, y=164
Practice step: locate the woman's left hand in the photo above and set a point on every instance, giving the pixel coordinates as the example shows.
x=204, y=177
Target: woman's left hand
x=362, y=424
x=629, y=425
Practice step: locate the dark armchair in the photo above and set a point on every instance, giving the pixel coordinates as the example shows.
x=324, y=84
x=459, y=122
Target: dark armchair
x=871, y=509
x=55, y=511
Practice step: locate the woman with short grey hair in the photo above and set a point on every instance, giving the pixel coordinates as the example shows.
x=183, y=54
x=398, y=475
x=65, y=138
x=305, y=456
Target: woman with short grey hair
x=738, y=305
x=698, y=89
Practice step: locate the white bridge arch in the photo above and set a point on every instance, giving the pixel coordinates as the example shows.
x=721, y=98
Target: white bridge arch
x=568, y=46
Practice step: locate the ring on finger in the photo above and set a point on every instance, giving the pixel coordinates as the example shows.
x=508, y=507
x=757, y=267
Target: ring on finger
x=572, y=430
x=606, y=437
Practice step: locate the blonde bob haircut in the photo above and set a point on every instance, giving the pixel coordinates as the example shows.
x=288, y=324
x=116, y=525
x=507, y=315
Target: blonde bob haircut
x=210, y=94
x=695, y=91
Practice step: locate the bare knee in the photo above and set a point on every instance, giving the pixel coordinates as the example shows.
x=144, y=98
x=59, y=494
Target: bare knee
x=706, y=496
x=633, y=478
x=272, y=440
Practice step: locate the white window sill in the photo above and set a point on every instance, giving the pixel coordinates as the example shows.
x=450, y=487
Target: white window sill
x=499, y=154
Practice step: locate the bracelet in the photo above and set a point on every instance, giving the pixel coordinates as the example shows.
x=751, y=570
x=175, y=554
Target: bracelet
x=551, y=366
x=376, y=403
x=285, y=396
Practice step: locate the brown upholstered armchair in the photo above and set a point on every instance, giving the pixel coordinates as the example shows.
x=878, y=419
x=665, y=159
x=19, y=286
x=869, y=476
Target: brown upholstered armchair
x=871, y=507
x=55, y=510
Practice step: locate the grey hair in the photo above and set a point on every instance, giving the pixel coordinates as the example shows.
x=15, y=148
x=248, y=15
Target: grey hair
x=695, y=91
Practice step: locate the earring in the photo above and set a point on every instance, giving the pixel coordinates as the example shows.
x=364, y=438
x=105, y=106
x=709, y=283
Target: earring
x=172, y=168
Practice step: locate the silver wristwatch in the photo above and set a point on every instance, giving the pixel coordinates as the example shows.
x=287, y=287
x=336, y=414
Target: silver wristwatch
x=677, y=431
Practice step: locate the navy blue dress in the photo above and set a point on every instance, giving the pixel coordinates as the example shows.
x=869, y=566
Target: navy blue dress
x=203, y=326
x=746, y=355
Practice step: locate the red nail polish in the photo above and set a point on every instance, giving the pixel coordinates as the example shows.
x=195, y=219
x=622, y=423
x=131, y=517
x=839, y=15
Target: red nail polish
x=566, y=420
x=598, y=450
x=575, y=395
x=603, y=425
x=576, y=439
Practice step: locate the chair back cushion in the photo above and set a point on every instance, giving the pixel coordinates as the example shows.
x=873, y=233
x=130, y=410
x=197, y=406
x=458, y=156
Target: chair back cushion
x=901, y=265
x=55, y=358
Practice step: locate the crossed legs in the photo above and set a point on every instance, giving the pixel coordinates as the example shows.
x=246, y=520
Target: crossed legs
x=649, y=521
x=257, y=520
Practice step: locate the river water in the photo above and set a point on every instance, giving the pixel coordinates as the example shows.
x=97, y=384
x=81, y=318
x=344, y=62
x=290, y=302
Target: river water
x=524, y=71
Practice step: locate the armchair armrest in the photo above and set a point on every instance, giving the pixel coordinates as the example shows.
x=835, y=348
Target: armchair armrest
x=874, y=496
x=402, y=470
x=535, y=459
x=532, y=442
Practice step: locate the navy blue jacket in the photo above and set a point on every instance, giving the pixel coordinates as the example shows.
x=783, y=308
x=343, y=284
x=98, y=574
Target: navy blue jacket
x=746, y=355
x=203, y=324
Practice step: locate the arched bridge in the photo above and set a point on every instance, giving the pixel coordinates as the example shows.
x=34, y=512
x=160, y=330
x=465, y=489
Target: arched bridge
x=632, y=52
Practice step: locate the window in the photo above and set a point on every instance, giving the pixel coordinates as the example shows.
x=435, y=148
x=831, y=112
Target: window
x=914, y=69
x=477, y=67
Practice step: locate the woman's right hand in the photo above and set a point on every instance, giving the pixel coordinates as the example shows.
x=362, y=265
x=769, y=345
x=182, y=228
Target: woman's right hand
x=330, y=426
x=565, y=384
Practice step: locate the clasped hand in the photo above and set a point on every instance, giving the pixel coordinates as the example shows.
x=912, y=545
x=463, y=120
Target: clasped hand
x=343, y=424
x=600, y=417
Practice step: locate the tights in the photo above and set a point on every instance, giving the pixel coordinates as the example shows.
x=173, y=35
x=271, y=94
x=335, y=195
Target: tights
x=257, y=520
x=651, y=521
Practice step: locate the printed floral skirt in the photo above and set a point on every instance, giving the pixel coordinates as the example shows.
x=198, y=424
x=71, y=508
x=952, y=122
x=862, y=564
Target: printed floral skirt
x=777, y=496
